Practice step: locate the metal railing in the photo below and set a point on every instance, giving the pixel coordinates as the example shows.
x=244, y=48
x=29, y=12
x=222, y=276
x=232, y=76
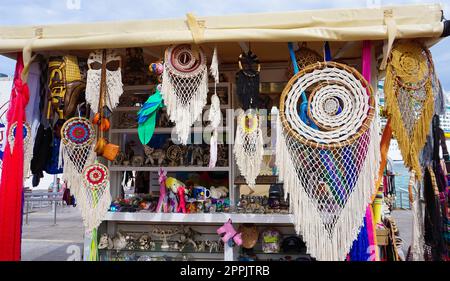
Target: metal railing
x=52, y=197
x=403, y=199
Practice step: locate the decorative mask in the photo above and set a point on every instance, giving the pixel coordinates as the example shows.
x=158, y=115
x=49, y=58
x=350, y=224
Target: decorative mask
x=113, y=79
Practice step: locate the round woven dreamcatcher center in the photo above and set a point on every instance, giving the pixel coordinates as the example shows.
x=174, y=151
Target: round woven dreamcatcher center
x=96, y=175
x=410, y=63
x=249, y=122
x=339, y=102
x=26, y=129
x=77, y=131
x=181, y=60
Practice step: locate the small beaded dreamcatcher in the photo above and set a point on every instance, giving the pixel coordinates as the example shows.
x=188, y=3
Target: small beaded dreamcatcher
x=76, y=150
x=27, y=147
x=249, y=146
x=184, y=87
x=95, y=197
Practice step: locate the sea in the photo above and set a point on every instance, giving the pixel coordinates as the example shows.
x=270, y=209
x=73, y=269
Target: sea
x=401, y=184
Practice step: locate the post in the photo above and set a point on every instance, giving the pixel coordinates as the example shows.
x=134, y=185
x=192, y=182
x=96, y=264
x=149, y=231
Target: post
x=54, y=214
x=28, y=211
x=55, y=189
x=401, y=200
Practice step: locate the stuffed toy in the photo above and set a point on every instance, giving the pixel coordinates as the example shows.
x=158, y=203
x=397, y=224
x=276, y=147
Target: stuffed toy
x=229, y=234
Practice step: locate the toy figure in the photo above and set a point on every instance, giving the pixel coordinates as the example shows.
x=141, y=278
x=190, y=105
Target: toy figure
x=229, y=234
x=172, y=202
x=191, y=208
x=162, y=206
x=181, y=191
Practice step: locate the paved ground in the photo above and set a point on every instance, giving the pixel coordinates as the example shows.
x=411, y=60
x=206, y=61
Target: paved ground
x=44, y=241
x=404, y=218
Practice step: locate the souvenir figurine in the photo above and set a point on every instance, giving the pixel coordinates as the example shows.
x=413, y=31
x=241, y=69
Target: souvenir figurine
x=187, y=237
x=174, y=155
x=119, y=242
x=201, y=246
x=137, y=161
x=153, y=155
x=105, y=242
x=119, y=159
x=191, y=208
x=131, y=242
x=144, y=242
x=197, y=156
x=173, y=202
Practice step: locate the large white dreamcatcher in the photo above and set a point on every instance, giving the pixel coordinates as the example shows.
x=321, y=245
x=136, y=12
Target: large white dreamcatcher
x=328, y=155
x=184, y=87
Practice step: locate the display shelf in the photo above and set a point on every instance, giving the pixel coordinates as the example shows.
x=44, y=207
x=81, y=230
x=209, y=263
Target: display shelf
x=216, y=218
x=169, y=169
x=160, y=251
x=168, y=130
x=137, y=108
x=259, y=180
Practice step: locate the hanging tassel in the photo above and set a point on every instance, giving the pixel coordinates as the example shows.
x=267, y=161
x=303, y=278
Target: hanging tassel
x=215, y=114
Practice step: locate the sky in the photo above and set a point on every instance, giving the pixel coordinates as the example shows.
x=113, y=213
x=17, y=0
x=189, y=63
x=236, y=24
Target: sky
x=35, y=12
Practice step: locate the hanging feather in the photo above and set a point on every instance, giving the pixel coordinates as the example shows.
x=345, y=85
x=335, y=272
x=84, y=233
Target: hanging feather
x=147, y=116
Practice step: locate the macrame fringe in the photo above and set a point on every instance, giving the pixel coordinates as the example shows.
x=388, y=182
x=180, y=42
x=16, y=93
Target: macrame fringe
x=249, y=162
x=93, y=215
x=306, y=218
x=410, y=147
x=113, y=91
x=72, y=173
x=184, y=114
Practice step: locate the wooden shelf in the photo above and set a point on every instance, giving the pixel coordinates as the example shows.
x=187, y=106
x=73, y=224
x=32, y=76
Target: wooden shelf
x=169, y=169
x=216, y=218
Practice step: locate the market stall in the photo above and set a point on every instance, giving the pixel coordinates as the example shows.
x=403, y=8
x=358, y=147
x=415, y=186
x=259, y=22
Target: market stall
x=249, y=137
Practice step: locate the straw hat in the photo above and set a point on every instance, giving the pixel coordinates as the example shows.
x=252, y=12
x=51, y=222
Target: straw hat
x=249, y=234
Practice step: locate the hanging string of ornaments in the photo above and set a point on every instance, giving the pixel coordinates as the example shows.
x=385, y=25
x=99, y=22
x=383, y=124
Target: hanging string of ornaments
x=249, y=145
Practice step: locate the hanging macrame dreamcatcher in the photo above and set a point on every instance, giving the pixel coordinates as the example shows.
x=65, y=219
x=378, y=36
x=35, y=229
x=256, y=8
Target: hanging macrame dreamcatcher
x=95, y=197
x=408, y=88
x=114, y=86
x=249, y=146
x=328, y=169
x=77, y=150
x=94, y=200
x=27, y=147
x=184, y=87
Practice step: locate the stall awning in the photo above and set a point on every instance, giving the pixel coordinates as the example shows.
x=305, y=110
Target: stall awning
x=411, y=21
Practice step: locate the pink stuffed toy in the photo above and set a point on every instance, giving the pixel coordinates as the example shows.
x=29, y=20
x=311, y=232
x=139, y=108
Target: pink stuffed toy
x=163, y=198
x=227, y=232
